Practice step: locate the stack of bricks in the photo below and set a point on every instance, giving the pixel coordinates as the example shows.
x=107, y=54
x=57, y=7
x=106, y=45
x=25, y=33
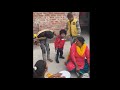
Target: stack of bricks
x=50, y=20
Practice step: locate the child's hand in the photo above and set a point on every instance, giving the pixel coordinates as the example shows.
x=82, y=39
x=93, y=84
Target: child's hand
x=56, y=49
x=55, y=33
x=77, y=69
x=68, y=37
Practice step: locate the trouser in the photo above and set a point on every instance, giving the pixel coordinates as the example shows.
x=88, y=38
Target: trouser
x=59, y=51
x=72, y=39
x=44, y=45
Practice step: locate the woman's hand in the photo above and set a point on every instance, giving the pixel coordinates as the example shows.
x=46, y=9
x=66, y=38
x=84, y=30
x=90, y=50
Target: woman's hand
x=57, y=75
x=77, y=69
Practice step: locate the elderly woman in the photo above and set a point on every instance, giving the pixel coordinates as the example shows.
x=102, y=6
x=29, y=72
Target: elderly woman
x=76, y=58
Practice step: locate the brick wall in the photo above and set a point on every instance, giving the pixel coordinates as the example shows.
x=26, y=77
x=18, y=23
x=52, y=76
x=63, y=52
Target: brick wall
x=50, y=20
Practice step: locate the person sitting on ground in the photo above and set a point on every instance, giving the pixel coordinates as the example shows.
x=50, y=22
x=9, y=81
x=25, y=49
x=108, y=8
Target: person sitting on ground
x=76, y=61
x=41, y=68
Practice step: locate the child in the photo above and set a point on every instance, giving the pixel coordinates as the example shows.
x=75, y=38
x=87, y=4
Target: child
x=73, y=28
x=59, y=44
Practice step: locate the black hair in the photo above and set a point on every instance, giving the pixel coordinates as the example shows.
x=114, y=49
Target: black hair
x=63, y=31
x=69, y=15
x=41, y=66
x=35, y=74
x=81, y=39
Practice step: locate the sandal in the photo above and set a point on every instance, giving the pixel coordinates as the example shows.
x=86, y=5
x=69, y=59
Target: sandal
x=50, y=60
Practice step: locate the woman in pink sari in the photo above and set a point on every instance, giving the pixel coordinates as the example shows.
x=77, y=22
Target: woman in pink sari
x=76, y=58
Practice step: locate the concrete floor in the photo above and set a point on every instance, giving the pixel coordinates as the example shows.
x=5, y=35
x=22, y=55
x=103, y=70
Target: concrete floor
x=55, y=67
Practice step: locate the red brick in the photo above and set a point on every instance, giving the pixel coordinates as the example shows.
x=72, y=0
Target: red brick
x=59, y=13
x=50, y=12
x=50, y=20
x=56, y=21
x=52, y=17
x=47, y=15
x=53, y=14
x=40, y=15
